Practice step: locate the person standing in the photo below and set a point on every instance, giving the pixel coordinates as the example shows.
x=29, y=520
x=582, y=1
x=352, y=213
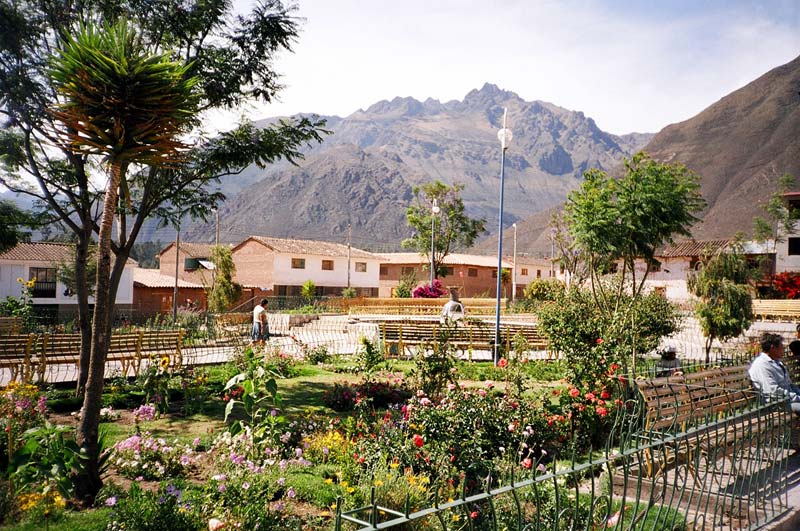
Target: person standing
x=260, y=327
x=769, y=374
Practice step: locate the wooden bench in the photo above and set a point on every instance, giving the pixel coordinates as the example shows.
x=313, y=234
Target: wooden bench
x=26, y=356
x=10, y=325
x=776, y=309
x=475, y=306
x=16, y=352
x=690, y=412
x=467, y=335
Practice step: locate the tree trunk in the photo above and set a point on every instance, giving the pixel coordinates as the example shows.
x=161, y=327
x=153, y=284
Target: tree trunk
x=87, y=436
x=82, y=292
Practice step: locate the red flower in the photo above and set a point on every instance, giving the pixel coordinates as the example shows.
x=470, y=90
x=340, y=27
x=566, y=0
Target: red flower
x=602, y=411
x=473, y=515
x=418, y=440
x=502, y=363
x=574, y=392
x=599, y=340
x=527, y=463
x=604, y=394
x=590, y=397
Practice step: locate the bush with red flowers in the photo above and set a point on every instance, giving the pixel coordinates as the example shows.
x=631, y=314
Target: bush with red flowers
x=429, y=291
x=787, y=285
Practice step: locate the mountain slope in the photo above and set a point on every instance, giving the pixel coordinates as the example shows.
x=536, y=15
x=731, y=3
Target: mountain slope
x=364, y=172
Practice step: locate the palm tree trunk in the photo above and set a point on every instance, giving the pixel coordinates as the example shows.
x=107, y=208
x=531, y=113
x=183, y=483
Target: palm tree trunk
x=89, y=425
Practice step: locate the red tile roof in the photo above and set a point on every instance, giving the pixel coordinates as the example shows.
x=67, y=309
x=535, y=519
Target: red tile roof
x=692, y=248
x=450, y=259
x=39, y=252
x=193, y=250
x=151, y=278
x=313, y=247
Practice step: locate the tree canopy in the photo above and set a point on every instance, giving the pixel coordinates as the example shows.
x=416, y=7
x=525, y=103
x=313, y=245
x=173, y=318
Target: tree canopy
x=12, y=224
x=452, y=228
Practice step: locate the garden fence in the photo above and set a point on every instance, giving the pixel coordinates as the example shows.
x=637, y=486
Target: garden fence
x=719, y=472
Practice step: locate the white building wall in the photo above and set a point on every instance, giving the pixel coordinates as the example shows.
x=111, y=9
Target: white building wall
x=285, y=275
x=784, y=262
x=11, y=271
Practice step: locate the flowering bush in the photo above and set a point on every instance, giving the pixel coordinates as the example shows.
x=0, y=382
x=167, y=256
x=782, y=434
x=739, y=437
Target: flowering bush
x=21, y=407
x=42, y=505
x=328, y=446
x=343, y=397
x=429, y=291
x=787, y=284
x=143, y=456
x=142, y=510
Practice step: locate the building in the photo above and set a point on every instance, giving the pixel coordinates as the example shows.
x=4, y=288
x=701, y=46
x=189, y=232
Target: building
x=194, y=262
x=154, y=292
x=39, y=261
x=280, y=267
x=527, y=269
x=473, y=275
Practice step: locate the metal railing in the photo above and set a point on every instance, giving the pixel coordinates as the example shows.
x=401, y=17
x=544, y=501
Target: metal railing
x=728, y=472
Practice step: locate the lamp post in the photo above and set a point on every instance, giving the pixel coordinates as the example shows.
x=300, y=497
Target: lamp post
x=434, y=211
x=514, y=271
x=504, y=135
x=216, y=237
x=552, y=252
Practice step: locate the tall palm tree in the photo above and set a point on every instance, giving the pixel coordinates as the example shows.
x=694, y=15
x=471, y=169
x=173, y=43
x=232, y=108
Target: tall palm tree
x=130, y=105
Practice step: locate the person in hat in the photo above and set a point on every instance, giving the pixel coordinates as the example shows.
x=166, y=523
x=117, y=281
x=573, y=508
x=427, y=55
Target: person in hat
x=669, y=364
x=453, y=310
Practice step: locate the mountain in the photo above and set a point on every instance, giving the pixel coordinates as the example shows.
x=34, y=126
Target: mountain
x=363, y=174
x=739, y=146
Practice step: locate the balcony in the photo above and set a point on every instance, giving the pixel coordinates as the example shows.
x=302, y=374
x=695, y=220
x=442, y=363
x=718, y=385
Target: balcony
x=44, y=290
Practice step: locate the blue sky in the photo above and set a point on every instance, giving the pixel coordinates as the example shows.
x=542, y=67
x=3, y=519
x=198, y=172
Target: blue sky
x=632, y=66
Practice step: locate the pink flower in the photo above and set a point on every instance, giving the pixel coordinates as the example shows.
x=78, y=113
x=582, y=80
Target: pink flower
x=451, y=386
x=574, y=392
x=527, y=463
x=425, y=401
x=215, y=524
x=602, y=411
x=502, y=363
x=481, y=392
x=489, y=384
x=511, y=427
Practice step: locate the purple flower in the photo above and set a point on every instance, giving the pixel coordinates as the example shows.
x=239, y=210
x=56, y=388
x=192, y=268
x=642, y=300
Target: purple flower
x=291, y=494
x=281, y=481
x=111, y=502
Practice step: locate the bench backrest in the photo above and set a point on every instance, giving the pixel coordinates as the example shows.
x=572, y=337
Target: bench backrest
x=675, y=403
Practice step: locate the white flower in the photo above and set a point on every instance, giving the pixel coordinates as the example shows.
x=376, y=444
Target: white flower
x=215, y=524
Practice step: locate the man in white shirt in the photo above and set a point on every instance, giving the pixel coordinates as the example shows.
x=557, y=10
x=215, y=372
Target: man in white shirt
x=260, y=327
x=769, y=375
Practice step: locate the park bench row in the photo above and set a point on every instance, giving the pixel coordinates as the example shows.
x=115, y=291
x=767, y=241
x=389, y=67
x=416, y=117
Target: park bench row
x=420, y=306
x=703, y=414
x=776, y=309
x=465, y=336
x=27, y=356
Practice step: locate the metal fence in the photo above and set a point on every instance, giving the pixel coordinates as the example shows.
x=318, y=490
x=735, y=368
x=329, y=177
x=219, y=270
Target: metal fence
x=726, y=472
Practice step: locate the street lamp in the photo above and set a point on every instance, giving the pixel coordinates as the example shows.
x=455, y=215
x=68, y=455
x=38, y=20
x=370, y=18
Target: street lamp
x=514, y=272
x=504, y=135
x=434, y=210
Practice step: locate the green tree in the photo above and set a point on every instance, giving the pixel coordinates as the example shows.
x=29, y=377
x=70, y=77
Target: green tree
x=66, y=270
x=308, y=291
x=617, y=221
x=779, y=220
x=224, y=291
x=99, y=115
x=234, y=63
x=453, y=228
x=724, y=307
x=12, y=223
x=405, y=286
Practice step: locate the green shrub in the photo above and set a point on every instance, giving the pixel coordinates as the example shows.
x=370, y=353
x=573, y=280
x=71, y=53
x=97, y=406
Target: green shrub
x=142, y=510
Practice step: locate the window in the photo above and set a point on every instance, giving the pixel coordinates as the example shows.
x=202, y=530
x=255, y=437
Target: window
x=794, y=246
x=327, y=265
x=384, y=271
x=446, y=271
x=524, y=272
x=45, y=282
x=654, y=267
x=538, y=273
x=408, y=270
x=361, y=267
x=494, y=273
x=472, y=272
x=298, y=263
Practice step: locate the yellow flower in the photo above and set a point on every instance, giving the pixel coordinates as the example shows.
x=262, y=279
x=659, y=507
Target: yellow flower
x=378, y=483
x=329, y=480
x=19, y=279
x=344, y=483
x=394, y=464
x=164, y=362
x=456, y=518
x=30, y=283
x=351, y=490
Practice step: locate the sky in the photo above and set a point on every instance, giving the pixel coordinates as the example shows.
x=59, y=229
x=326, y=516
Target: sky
x=631, y=66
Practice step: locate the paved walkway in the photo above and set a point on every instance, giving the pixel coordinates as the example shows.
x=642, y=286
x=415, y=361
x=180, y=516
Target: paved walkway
x=790, y=521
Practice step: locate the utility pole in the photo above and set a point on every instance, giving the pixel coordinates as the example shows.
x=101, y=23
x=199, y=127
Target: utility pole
x=514, y=273
x=349, y=236
x=175, y=288
x=216, y=240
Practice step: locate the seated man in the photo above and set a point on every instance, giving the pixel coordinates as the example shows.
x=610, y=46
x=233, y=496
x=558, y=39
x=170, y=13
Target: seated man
x=769, y=374
x=669, y=364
